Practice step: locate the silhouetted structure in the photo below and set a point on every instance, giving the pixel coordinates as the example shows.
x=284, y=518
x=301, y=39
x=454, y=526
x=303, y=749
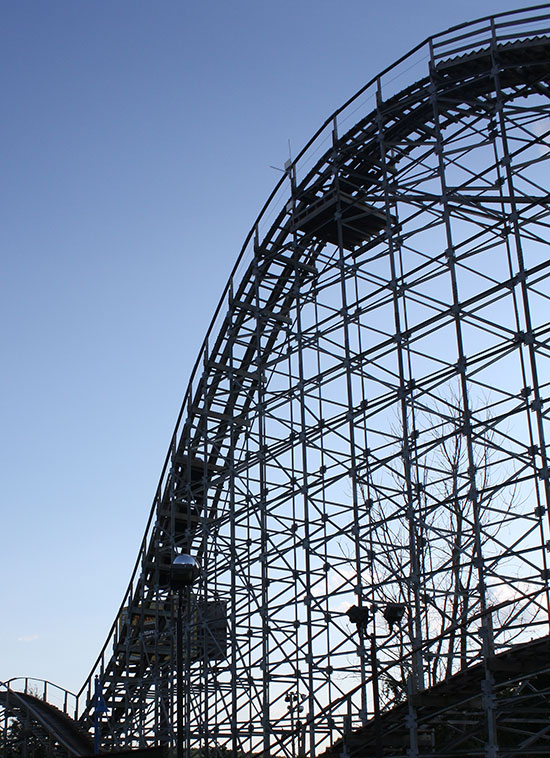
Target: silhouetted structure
x=366, y=427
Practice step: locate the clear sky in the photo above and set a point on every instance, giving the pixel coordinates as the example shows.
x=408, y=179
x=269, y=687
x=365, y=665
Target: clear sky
x=137, y=143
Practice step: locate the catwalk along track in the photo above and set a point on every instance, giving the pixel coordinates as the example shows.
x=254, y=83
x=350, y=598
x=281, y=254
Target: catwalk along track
x=360, y=465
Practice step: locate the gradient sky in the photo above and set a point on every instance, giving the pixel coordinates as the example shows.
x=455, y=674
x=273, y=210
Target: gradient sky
x=137, y=140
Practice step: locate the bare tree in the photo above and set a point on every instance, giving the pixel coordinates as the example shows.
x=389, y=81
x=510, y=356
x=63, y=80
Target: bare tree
x=427, y=552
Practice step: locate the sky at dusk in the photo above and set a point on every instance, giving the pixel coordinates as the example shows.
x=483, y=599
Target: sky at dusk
x=138, y=145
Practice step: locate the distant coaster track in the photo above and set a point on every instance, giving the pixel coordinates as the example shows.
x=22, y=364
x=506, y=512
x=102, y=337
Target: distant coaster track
x=360, y=464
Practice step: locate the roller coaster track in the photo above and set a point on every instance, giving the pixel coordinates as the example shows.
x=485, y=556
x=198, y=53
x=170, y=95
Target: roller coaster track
x=49, y=721
x=451, y=714
x=365, y=427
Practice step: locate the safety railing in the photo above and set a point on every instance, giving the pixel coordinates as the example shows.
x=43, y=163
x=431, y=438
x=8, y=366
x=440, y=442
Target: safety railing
x=51, y=693
x=501, y=28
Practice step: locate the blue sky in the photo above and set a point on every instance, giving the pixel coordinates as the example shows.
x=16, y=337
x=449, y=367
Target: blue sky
x=137, y=140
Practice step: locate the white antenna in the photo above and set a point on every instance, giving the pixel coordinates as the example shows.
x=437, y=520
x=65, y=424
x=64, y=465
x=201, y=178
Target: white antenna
x=287, y=164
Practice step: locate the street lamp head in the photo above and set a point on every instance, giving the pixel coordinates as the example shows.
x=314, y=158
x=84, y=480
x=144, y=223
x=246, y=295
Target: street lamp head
x=358, y=615
x=183, y=571
x=393, y=614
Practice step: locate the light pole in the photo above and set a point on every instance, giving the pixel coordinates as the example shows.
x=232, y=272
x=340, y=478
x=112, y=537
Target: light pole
x=359, y=615
x=294, y=707
x=183, y=572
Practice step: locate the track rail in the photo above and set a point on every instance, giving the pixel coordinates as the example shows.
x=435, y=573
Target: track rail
x=56, y=724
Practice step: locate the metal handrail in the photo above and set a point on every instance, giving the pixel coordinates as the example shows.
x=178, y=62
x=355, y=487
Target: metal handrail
x=45, y=687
